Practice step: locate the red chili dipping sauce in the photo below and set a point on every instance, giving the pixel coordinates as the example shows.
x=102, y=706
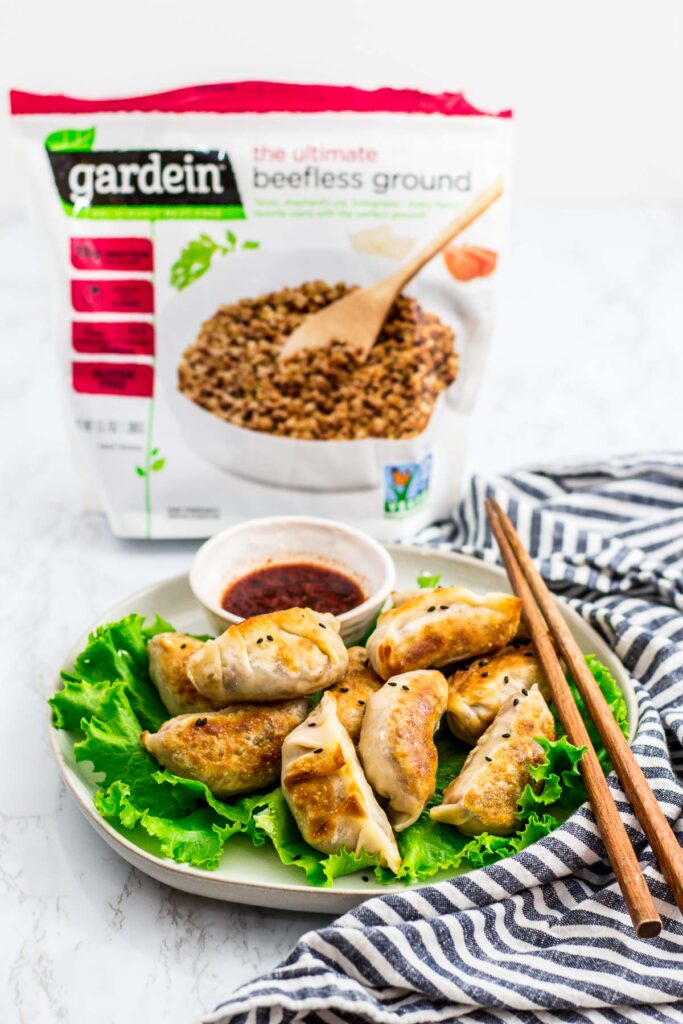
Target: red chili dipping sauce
x=292, y=585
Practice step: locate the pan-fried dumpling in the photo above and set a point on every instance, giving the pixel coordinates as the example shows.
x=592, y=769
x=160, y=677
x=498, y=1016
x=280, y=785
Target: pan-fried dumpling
x=354, y=690
x=477, y=692
x=271, y=657
x=168, y=655
x=435, y=626
x=236, y=750
x=396, y=746
x=484, y=796
x=327, y=792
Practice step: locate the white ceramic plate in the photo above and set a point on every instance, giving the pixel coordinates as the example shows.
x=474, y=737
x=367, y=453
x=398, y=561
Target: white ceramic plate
x=255, y=875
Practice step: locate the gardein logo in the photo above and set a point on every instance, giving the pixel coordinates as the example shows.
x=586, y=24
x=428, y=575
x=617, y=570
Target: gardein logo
x=141, y=183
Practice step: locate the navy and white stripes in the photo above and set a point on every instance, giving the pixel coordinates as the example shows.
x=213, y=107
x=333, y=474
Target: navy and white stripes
x=543, y=936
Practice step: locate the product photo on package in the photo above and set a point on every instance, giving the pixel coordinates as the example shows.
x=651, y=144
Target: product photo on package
x=192, y=232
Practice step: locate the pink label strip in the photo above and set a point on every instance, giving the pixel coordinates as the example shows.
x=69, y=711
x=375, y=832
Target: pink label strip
x=129, y=296
x=112, y=254
x=129, y=380
x=129, y=338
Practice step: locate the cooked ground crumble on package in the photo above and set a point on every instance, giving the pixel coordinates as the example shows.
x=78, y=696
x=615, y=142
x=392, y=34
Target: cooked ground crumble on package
x=232, y=370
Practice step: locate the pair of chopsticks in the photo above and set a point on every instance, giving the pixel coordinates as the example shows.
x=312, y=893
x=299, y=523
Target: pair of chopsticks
x=545, y=623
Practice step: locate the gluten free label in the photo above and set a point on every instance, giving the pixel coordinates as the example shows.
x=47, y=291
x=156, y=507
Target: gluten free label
x=128, y=380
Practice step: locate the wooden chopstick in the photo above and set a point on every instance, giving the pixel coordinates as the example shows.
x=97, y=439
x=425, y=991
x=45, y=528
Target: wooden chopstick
x=637, y=897
x=661, y=837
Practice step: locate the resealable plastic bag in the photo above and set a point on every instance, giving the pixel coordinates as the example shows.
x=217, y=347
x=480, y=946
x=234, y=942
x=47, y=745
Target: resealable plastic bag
x=193, y=230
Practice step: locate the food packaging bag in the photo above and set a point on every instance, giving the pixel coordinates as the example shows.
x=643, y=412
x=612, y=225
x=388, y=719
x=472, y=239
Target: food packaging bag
x=192, y=230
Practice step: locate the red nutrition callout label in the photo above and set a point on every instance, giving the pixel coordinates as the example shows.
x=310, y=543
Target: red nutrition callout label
x=128, y=296
x=124, y=338
x=112, y=254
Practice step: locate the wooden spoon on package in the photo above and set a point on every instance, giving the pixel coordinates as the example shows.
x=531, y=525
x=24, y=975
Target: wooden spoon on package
x=357, y=319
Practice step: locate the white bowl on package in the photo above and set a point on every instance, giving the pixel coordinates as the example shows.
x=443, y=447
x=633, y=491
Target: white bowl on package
x=268, y=458
x=241, y=549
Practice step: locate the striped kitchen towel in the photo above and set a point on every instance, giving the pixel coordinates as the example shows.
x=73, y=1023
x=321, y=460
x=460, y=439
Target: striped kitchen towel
x=543, y=935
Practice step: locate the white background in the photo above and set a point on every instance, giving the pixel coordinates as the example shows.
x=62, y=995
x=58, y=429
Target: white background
x=597, y=86
x=587, y=358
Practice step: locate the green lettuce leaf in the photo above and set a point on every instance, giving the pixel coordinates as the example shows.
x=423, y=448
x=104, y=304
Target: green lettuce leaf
x=238, y=812
x=275, y=820
x=112, y=745
x=429, y=846
x=108, y=699
x=192, y=839
x=114, y=654
x=560, y=773
x=617, y=704
x=560, y=777
x=424, y=580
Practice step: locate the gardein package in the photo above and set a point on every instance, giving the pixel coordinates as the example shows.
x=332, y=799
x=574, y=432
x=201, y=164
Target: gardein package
x=192, y=231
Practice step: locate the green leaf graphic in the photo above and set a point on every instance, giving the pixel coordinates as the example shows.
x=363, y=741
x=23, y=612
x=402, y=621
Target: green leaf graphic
x=197, y=256
x=157, y=465
x=71, y=141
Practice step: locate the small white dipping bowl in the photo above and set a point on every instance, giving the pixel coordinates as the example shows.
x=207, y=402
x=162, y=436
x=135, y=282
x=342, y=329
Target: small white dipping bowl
x=241, y=549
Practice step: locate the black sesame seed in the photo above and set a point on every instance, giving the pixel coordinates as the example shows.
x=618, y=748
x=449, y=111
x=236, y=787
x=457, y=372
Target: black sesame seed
x=443, y=607
x=365, y=878
x=506, y=679
x=528, y=654
x=519, y=807
x=297, y=856
x=318, y=750
x=322, y=625
x=362, y=703
x=525, y=692
x=312, y=725
x=515, y=702
x=200, y=721
x=432, y=608
x=482, y=663
x=484, y=675
x=488, y=759
x=404, y=687
x=506, y=735
x=183, y=646
x=393, y=684
x=260, y=640
x=269, y=637
x=343, y=689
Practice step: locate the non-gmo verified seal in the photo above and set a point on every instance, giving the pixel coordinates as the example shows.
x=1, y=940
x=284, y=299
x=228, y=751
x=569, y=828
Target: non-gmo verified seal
x=406, y=486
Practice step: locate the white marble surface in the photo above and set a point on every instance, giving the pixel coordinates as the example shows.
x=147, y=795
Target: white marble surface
x=588, y=358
